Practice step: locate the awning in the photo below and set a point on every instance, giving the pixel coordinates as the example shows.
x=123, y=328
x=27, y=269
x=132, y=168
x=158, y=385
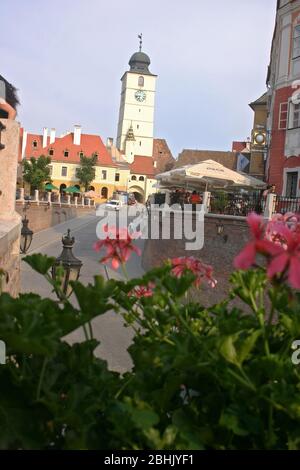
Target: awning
x=50, y=187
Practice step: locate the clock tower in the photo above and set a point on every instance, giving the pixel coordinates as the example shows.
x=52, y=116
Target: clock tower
x=136, y=116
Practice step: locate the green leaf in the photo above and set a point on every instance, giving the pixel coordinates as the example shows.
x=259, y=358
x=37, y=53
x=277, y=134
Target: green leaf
x=227, y=349
x=40, y=263
x=247, y=346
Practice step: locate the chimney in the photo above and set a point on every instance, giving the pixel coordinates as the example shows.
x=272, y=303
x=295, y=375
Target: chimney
x=52, y=136
x=24, y=143
x=45, y=135
x=77, y=135
x=109, y=142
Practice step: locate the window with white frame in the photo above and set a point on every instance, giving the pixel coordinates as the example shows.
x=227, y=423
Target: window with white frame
x=64, y=171
x=104, y=174
x=296, y=115
x=296, y=48
x=283, y=115
x=291, y=183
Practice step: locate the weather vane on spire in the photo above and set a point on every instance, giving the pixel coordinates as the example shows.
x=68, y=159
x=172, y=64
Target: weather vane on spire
x=140, y=36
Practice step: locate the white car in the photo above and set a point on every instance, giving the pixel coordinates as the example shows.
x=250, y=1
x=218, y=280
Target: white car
x=113, y=204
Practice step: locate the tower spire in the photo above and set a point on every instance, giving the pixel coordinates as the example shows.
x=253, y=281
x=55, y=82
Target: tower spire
x=140, y=36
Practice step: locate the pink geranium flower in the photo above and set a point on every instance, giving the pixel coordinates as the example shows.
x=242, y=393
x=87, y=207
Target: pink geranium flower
x=202, y=271
x=279, y=241
x=119, y=246
x=288, y=257
x=142, y=291
x=258, y=244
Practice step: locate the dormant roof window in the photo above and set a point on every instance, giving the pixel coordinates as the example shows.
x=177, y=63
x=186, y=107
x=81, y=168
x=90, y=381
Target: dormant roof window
x=34, y=144
x=51, y=152
x=66, y=153
x=81, y=154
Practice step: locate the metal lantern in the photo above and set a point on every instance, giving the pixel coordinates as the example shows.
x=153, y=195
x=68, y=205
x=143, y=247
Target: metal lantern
x=220, y=228
x=26, y=236
x=70, y=264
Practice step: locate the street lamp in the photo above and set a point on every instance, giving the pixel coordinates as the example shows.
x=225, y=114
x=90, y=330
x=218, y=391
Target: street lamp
x=26, y=233
x=220, y=231
x=69, y=263
x=26, y=236
x=220, y=227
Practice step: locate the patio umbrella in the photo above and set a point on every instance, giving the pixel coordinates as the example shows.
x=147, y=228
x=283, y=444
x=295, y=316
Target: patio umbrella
x=50, y=187
x=210, y=173
x=71, y=190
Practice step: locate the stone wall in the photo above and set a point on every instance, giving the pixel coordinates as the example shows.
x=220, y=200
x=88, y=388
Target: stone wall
x=9, y=219
x=43, y=216
x=219, y=251
x=10, y=257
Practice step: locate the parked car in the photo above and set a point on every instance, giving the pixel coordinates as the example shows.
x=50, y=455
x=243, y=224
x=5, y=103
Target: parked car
x=113, y=204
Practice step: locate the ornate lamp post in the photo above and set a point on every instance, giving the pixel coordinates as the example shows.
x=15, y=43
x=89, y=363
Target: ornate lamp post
x=26, y=236
x=26, y=233
x=70, y=264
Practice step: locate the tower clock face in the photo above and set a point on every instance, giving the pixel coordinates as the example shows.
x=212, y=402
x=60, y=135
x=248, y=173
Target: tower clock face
x=140, y=95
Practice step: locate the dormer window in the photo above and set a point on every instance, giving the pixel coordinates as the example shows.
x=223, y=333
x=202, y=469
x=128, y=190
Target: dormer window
x=66, y=153
x=51, y=152
x=34, y=144
x=96, y=154
x=141, y=81
x=81, y=154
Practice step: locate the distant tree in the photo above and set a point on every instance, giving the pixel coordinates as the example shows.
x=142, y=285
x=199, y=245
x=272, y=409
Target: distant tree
x=86, y=172
x=36, y=171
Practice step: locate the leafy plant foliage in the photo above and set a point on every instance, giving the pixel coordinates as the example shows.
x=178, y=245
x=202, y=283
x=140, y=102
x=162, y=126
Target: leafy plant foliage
x=217, y=378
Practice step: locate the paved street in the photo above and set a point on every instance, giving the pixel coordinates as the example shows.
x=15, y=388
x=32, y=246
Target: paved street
x=108, y=328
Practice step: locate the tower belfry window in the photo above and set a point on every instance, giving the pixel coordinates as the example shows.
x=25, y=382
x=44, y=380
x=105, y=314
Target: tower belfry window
x=141, y=81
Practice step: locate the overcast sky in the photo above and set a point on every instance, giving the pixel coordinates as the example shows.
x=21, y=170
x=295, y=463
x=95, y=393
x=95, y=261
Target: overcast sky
x=67, y=58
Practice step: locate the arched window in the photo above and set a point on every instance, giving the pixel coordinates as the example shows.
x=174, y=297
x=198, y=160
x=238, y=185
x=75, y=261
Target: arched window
x=91, y=188
x=133, y=178
x=34, y=144
x=62, y=187
x=296, y=42
x=141, y=178
x=104, y=192
x=141, y=81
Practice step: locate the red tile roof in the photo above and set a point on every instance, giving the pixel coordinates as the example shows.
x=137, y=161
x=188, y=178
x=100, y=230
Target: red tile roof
x=238, y=146
x=89, y=144
x=143, y=166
